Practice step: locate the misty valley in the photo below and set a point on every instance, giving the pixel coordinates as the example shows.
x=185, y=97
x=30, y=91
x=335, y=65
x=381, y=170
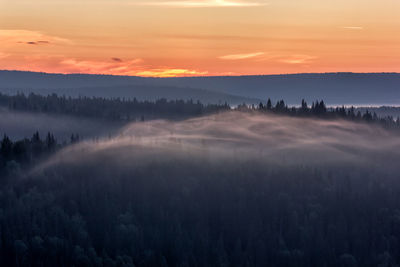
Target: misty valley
x=92, y=181
x=199, y=133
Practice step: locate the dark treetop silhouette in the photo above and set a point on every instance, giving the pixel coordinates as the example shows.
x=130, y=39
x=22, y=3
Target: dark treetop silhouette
x=260, y=185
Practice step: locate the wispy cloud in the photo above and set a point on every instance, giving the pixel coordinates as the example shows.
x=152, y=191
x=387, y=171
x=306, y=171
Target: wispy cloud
x=241, y=56
x=205, y=3
x=297, y=59
x=11, y=37
x=116, y=59
x=170, y=72
x=212, y=37
x=71, y=65
x=108, y=66
x=353, y=28
x=3, y=55
x=36, y=42
x=118, y=66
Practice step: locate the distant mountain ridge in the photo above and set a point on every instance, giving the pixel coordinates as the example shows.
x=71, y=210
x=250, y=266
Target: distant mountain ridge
x=334, y=88
x=74, y=85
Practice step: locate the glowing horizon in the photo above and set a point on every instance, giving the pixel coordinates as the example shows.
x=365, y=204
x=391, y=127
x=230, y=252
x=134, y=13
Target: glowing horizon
x=162, y=38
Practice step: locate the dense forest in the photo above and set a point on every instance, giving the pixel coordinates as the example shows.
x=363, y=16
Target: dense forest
x=320, y=110
x=208, y=191
x=181, y=214
x=133, y=110
x=106, y=108
x=22, y=154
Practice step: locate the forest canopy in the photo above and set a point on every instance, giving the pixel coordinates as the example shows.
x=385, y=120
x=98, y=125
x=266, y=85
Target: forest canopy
x=230, y=189
x=186, y=184
x=127, y=110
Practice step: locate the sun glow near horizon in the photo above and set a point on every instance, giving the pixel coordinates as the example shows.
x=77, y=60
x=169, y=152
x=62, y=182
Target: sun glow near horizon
x=197, y=38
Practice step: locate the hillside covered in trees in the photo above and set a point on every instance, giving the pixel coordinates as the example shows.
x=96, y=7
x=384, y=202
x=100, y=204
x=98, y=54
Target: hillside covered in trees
x=110, y=109
x=239, y=188
x=127, y=110
x=212, y=185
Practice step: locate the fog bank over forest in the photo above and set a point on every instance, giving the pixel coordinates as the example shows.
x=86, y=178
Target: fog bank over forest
x=241, y=137
x=229, y=189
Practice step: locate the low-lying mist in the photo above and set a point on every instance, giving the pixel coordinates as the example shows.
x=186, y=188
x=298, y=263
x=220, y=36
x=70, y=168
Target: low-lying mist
x=18, y=125
x=241, y=137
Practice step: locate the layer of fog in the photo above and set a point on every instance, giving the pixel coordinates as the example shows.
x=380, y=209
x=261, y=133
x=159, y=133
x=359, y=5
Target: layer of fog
x=18, y=125
x=236, y=137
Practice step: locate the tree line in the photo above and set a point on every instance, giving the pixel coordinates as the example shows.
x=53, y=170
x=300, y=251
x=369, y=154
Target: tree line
x=320, y=110
x=115, y=109
x=20, y=154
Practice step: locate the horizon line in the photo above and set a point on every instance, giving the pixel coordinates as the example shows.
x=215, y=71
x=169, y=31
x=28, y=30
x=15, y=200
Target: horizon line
x=204, y=76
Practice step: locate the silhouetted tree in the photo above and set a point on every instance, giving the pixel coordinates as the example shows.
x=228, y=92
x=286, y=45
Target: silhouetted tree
x=269, y=104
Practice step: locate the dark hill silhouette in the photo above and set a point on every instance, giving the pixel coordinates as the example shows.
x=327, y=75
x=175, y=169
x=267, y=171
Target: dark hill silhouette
x=334, y=88
x=75, y=85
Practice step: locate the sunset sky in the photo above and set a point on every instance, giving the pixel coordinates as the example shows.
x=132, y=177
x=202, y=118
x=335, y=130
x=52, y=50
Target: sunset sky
x=200, y=37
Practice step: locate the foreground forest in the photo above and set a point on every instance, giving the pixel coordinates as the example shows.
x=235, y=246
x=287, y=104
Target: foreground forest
x=239, y=188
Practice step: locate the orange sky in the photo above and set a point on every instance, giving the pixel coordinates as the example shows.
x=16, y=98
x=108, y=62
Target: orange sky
x=200, y=37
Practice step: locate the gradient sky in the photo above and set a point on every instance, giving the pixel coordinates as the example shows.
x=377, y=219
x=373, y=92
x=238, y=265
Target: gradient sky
x=200, y=37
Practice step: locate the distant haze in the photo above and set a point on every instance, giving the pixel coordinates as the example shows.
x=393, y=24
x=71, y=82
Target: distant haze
x=333, y=88
x=19, y=125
